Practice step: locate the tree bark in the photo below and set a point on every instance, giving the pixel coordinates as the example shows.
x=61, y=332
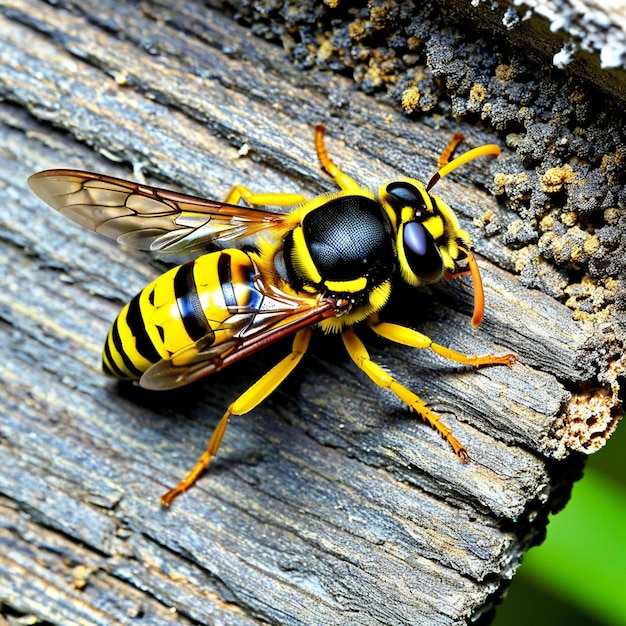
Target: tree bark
x=330, y=503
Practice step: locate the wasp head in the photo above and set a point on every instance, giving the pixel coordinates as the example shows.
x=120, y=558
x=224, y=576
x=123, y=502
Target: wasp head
x=429, y=239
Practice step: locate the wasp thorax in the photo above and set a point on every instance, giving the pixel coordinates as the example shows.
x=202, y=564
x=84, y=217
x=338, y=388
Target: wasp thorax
x=342, y=247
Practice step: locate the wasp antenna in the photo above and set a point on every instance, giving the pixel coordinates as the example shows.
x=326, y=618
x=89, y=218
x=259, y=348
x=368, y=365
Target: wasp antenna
x=490, y=149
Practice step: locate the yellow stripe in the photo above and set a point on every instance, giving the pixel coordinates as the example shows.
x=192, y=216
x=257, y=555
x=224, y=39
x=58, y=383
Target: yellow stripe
x=434, y=225
x=407, y=214
x=164, y=314
x=447, y=257
x=448, y=215
x=125, y=351
x=347, y=286
x=129, y=343
x=302, y=257
x=112, y=366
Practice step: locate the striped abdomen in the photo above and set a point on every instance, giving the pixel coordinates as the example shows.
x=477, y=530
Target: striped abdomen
x=210, y=299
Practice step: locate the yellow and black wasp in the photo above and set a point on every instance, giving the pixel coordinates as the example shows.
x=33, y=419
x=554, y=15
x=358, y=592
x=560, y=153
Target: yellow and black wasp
x=329, y=263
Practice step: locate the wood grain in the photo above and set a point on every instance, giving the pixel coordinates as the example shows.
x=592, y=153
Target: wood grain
x=329, y=503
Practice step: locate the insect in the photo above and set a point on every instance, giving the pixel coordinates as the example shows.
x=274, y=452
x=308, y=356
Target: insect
x=329, y=263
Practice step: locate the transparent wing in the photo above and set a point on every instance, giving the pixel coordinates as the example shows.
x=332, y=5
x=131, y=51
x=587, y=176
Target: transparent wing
x=203, y=358
x=148, y=218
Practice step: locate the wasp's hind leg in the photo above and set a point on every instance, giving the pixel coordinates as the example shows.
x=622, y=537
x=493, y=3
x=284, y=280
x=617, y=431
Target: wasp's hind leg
x=358, y=353
x=254, y=395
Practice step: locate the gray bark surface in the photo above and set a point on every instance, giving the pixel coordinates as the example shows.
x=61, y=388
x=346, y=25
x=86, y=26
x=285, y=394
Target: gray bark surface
x=328, y=504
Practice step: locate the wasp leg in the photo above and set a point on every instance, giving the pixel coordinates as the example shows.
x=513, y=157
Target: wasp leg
x=479, y=294
x=448, y=151
x=458, y=273
x=245, y=403
x=263, y=199
x=343, y=180
x=358, y=353
x=409, y=337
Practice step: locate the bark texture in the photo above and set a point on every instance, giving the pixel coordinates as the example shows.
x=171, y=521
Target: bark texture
x=330, y=503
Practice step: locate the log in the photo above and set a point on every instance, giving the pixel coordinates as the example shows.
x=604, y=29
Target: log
x=329, y=503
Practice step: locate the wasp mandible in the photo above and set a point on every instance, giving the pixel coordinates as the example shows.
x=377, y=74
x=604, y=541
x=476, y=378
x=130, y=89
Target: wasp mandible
x=329, y=263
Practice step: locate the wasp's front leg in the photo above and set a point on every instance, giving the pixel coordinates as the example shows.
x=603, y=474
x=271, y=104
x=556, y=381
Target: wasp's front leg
x=414, y=339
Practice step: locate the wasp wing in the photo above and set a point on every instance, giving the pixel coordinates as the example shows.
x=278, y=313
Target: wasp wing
x=148, y=218
x=203, y=358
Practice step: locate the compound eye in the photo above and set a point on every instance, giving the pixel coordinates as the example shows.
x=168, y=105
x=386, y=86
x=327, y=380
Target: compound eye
x=421, y=252
x=404, y=194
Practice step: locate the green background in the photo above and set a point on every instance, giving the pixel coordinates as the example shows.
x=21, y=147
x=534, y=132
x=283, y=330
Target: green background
x=578, y=575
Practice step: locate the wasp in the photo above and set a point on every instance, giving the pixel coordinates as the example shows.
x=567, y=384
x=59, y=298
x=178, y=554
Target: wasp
x=257, y=276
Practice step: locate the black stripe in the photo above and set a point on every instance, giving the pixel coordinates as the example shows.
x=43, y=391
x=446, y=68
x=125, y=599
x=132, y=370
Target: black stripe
x=188, y=302
x=226, y=281
x=112, y=369
x=119, y=346
x=135, y=322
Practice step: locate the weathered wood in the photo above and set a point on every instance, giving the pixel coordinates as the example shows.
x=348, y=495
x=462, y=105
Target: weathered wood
x=329, y=504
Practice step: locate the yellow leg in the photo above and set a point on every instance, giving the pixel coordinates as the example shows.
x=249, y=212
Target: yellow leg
x=245, y=403
x=409, y=337
x=479, y=294
x=239, y=192
x=358, y=353
x=343, y=180
x=448, y=151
